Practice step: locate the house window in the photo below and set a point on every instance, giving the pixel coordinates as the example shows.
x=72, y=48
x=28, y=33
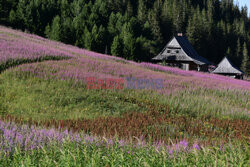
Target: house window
x=169, y=51
x=177, y=51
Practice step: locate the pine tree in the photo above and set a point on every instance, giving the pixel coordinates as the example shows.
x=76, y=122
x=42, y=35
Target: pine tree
x=167, y=21
x=54, y=32
x=191, y=30
x=229, y=53
x=128, y=41
x=245, y=60
x=12, y=18
x=155, y=27
x=112, y=24
x=143, y=49
x=129, y=10
x=142, y=11
x=178, y=16
x=65, y=9
x=238, y=49
x=67, y=32
x=20, y=13
x=47, y=31
x=129, y=46
x=99, y=41
x=104, y=12
x=115, y=24
x=87, y=39
x=116, y=47
x=210, y=11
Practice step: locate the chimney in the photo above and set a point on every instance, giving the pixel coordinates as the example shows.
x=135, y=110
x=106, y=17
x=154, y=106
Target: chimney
x=179, y=34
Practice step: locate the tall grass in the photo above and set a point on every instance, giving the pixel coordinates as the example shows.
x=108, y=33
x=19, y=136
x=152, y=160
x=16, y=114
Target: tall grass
x=72, y=154
x=32, y=146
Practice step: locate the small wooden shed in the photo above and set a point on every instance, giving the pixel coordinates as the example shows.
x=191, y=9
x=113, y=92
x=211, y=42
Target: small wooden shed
x=226, y=67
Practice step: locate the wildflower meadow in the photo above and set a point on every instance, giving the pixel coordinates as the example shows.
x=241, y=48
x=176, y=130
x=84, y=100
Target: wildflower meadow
x=49, y=115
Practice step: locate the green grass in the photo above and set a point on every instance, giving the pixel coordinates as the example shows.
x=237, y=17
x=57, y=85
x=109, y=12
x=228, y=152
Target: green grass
x=26, y=96
x=214, y=103
x=41, y=99
x=72, y=154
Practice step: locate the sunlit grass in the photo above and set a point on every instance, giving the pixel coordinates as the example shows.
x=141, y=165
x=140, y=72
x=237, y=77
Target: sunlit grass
x=32, y=97
x=41, y=99
x=72, y=154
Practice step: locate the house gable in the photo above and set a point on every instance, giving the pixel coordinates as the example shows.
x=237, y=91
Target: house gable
x=180, y=49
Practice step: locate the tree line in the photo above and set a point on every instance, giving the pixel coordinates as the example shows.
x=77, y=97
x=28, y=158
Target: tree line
x=137, y=30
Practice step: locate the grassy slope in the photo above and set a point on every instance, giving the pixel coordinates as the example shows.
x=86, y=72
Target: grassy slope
x=41, y=99
x=25, y=96
x=32, y=97
x=28, y=97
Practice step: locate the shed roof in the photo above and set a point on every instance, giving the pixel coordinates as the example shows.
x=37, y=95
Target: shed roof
x=226, y=67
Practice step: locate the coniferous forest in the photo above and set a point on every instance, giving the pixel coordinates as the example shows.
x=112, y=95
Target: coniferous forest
x=137, y=30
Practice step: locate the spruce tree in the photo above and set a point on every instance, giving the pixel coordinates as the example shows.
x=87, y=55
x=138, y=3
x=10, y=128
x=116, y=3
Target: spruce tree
x=142, y=11
x=12, y=18
x=98, y=37
x=238, y=49
x=67, y=35
x=245, y=60
x=54, y=32
x=112, y=24
x=116, y=47
x=128, y=41
x=87, y=39
x=155, y=27
x=229, y=53
x=129, y=10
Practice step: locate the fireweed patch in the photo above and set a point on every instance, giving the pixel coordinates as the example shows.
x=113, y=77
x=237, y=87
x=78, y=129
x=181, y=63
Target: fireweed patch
x=29, y=138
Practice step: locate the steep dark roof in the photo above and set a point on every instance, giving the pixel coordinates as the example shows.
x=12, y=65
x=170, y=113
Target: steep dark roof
x=186, y=51
x=226, y=67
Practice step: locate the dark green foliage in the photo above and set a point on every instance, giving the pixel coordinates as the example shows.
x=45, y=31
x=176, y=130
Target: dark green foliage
x=143, y=49
x=87, y=38
x=238, y=49
x=54, y=32
x=245, y=61
x=142, y=11
x=12, y=17
x=129, y=45
x=143, y=26
x=116, y=47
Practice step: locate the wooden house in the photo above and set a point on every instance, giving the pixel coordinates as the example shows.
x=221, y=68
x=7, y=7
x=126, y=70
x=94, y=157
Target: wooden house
x=225, y=67
x=180, y=53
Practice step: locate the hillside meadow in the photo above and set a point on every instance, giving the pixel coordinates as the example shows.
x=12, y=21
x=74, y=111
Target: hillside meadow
x=49, y=117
